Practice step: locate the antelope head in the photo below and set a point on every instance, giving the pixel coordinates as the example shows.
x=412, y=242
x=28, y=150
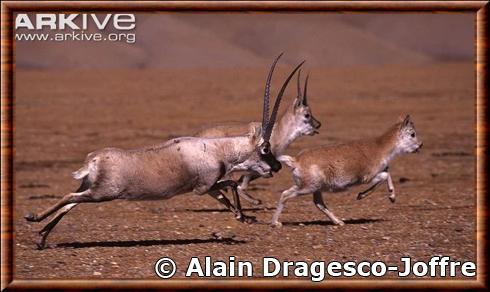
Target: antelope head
x=305, y=122
x=262, y=160
x=407, y=140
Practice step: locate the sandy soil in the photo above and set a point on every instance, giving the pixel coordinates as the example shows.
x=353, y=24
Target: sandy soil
x=61, y=116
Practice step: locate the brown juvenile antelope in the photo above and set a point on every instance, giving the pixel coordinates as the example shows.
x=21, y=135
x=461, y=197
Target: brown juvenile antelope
x=335, y=168
x=295, y=122
x=172, y=168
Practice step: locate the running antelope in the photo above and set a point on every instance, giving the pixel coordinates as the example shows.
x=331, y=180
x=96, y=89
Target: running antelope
x=295, y=122
x=172, y=168
x=338, y=167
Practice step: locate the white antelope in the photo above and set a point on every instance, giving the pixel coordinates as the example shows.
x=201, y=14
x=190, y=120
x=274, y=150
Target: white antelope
x=296, y=121
x=335, y=168
x=178, y=166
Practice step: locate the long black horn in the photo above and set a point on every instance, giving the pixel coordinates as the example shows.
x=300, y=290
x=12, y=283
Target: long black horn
x=305, y=102
x=272, y=120
x=265, y=112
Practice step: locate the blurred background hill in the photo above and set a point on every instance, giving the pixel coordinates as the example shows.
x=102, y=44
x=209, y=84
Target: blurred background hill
x=225, y=40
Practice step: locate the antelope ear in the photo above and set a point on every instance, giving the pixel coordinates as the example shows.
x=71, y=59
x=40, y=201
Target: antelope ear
x=255, y=132
x=297, y=102
x=406, y=121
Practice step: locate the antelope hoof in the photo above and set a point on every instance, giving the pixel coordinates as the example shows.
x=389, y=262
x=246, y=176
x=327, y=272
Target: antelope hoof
x=246, y=219
x=31, y=217
x=41, y=243
x=249, y=219
x=276, y=224
x=340, y=223
x=392, y=199
x=360, y=196
x=249, y=198
x=256, y=202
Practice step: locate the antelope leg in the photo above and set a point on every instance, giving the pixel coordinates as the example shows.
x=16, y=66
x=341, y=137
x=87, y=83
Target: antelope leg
x=391, y=188
x=245, y=180
x=377, y=180
x=52, y=223
x=318, y=200
x=236, y=199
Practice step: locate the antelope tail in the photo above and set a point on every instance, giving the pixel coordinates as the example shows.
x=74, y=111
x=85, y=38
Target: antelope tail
x=288, y=160
x=81, y=173
x=88, y=166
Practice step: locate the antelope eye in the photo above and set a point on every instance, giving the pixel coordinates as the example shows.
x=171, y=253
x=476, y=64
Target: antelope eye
x=412, y=135
x=265, y=150
x=307, y=116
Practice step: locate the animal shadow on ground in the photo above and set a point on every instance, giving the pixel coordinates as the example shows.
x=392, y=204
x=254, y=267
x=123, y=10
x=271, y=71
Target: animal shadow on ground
x=149, y=242
x=44, y=196
x=222, y=210
x=32, y=185
x=324, y=222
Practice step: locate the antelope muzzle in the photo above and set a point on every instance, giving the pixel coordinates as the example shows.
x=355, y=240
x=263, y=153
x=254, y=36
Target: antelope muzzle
x=316, y=124
x=271, y=160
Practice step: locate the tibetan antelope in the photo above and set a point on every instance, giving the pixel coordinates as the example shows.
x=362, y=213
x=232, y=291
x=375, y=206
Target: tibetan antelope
x=335, y=168
x=175, y=167
x=296, y=121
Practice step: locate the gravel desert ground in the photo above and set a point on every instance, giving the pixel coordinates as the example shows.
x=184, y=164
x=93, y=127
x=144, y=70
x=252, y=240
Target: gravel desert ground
x=61, y=115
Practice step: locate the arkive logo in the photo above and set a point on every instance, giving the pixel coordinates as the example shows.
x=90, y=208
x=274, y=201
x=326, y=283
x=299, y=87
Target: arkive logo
x=75, y=21
x=75, y=27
